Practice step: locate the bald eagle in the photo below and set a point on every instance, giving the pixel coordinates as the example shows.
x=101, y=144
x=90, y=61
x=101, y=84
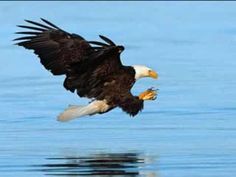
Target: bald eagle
x=93, y=69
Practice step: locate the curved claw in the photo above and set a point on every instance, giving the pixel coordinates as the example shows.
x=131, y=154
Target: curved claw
x=152, y=89
x=149, y=94
x=155, y=97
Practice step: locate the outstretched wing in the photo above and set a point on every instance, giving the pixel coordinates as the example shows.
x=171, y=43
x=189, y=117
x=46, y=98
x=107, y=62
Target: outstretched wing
x=87, y=64
x=55, y=47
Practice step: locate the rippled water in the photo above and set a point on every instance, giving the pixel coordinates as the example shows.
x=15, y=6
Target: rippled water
x=189, y=131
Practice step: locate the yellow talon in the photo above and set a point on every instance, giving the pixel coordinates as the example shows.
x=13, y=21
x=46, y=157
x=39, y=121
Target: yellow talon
x=149, y=94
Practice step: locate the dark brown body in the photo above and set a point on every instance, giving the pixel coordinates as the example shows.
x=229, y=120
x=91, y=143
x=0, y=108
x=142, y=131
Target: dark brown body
x=95, y=72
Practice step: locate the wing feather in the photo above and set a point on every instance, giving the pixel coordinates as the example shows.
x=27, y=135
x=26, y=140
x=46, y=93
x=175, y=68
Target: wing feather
x=109, y=41
x=50, y=24
x=28, y=32
x=86, y=67
x=55, y=47
x=24, y=38
x=31, y=27
x=38, y=24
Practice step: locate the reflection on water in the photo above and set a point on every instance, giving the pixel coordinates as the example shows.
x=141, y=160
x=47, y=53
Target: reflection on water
x=100, y=165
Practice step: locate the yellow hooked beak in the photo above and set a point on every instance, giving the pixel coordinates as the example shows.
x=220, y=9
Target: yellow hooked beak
x=153, y=74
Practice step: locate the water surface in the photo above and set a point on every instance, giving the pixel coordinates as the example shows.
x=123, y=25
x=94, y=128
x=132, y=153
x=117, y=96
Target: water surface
x=189, y=131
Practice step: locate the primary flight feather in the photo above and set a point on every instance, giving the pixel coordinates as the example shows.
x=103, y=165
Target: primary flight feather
x=93, y=69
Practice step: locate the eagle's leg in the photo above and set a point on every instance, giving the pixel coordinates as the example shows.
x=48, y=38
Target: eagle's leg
x=149, y=94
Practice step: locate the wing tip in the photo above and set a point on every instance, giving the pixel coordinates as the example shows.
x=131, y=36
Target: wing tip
x=107, y=40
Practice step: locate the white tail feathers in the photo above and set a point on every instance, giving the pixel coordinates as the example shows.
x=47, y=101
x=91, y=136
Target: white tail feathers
x=74, y=111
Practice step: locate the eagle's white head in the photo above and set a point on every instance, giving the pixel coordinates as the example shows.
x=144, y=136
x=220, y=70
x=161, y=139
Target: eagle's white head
x=143, y=71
